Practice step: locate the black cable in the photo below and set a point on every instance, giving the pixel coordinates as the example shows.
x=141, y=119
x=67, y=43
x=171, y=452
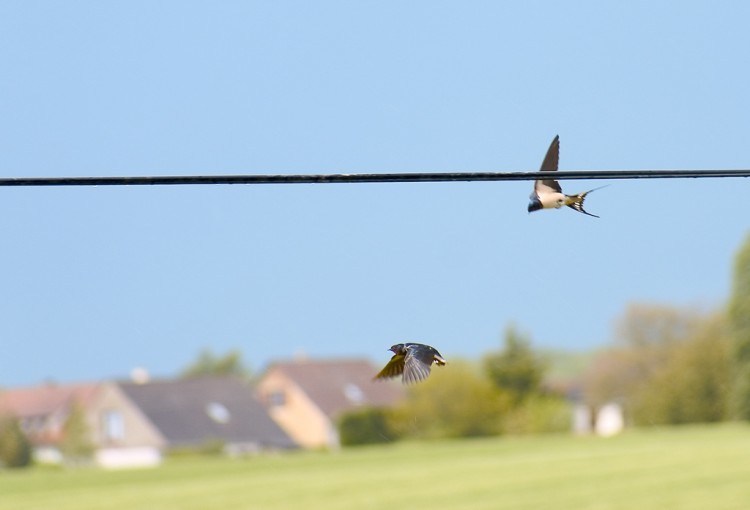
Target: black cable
x=368, y=178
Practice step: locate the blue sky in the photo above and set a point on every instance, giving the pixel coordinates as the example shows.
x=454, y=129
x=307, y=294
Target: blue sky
x=96, y=281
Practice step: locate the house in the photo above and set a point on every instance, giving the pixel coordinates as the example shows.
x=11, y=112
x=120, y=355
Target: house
x=122, y=434
x=306, y=397
x=43, y=411
x=190, y=413
x=132, y=424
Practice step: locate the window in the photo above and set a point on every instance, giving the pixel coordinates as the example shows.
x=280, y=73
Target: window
x=276, y=398
x=113, y=426
x=354, y=393
x=218, y=412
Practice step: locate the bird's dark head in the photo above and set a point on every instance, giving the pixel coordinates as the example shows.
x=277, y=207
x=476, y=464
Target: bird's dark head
x=534, y=204
x=396, y=349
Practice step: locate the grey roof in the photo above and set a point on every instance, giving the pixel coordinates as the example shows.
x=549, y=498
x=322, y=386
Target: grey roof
x=190, y=412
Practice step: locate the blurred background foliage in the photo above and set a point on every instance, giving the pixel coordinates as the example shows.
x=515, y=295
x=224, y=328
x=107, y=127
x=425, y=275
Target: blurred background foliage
x=15, y=449
x=210, y=364
x=667, y=365
x=739, y=329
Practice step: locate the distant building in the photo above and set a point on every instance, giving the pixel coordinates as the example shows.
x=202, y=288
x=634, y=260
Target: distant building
x=123, y=436
x=190, y=413
x=608, y=420
x=42, y=413
x=132, y=425
x=583, y=419
x=306, y=397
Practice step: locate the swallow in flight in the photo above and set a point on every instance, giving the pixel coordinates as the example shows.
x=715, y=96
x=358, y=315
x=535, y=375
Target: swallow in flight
x=548, y=194
x=412, y=362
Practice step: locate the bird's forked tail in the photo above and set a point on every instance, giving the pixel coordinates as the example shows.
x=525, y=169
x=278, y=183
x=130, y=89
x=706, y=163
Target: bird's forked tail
x=576, y=201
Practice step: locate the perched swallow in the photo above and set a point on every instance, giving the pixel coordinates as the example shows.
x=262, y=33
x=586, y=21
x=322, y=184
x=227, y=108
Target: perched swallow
x=548, y=194
x=413, y=361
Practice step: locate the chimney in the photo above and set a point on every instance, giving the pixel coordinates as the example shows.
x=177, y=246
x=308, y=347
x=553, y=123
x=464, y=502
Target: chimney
x=139, y=375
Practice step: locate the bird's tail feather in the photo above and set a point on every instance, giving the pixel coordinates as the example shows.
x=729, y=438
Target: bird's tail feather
x=576, y=201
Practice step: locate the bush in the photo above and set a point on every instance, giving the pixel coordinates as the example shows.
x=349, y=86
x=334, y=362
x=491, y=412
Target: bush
x=693, y=386
x=365, y=426
x=456, y=401
x=15, y=449
x=76, y=445
x=539, y=415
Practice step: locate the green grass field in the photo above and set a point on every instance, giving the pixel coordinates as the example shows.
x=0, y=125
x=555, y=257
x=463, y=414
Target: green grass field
x=678, y=468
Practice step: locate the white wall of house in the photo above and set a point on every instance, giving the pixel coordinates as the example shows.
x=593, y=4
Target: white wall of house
x=606, y=421
x=48, y=455
x=610, y=420
x=133, y=457
x=582, y=419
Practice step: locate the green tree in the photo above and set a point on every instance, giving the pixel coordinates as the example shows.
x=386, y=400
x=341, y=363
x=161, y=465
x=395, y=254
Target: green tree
x=693, y=384
x=516, y=370
x=366, y=426
x=456, y=401
x=646, y=338
x=209, y=363
x=739, y=327
x=670, y=365
x=655, y=327
x=15, y=449
x=539, y=414
x=76, y=445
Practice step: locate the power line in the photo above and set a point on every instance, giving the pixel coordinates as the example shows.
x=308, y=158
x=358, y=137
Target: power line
x=368, y=178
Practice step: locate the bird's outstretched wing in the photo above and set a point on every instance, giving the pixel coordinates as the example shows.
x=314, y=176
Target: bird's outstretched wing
x=417, y=363
x=551, y=160
x=393, y=368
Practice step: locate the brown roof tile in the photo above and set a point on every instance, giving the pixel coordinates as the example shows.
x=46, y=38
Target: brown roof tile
x=45, y=399
x=340, y=385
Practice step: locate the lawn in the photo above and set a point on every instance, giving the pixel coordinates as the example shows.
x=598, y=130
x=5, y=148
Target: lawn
x=672, y=468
